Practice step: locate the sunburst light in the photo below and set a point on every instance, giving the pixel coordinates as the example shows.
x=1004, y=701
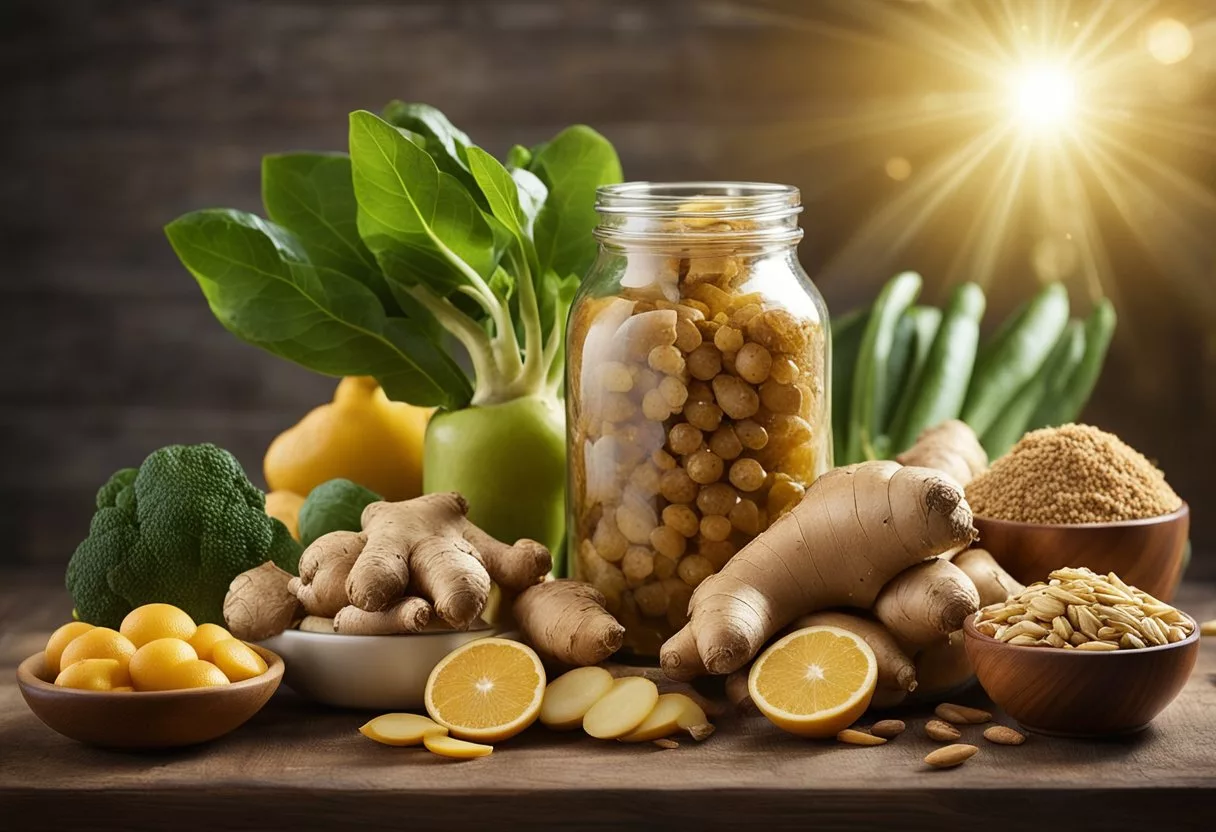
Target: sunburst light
x=1067, y=122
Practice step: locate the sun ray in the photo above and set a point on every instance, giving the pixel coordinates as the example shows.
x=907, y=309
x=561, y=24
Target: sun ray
x=894, y=226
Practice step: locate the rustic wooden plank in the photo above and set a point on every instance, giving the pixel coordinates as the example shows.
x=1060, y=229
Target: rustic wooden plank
x=307, y=768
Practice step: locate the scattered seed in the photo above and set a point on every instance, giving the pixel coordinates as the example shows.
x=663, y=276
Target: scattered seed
x=1208, y=628
x=1003, y=735
x=961, y=714
x=936, y=729
x=852, y=736
x=888, y=728
x=666, y=743
x=950, y=756
x=701, y=732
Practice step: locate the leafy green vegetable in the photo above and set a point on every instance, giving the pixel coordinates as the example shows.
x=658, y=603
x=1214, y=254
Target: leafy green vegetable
x=441, y=139
x=572, y=165
x=334, y=506
x=263, y=289
x=176, y=530
x=419, y=221
x=373, y=262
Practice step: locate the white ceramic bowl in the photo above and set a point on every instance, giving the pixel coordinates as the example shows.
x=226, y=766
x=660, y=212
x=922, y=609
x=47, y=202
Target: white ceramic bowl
x=381, y=673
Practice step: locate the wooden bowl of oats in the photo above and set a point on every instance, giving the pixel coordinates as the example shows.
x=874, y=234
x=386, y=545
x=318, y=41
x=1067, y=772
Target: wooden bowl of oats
x=1110, y=674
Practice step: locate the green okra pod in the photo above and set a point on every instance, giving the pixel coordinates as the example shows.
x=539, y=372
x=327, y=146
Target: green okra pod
x=1016, y=359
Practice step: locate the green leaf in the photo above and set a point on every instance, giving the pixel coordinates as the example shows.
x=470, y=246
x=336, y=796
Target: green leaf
x=554, y=298
x=446, y=144
x=311, y=195
x=420, y=222
x=262, y=287
x=576, y=162
x=532, y=196
x=507, y=195
x=499, y=189
x=518, y=157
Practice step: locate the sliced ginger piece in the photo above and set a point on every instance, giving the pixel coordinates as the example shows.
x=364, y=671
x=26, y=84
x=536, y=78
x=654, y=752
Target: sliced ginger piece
x=623, y=709
x=446, y=746
x=673, y=712
x=402, y=729
x=571, y=695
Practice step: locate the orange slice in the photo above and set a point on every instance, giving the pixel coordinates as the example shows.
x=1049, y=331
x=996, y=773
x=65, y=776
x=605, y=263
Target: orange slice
x=814, y=682
x=487, y=690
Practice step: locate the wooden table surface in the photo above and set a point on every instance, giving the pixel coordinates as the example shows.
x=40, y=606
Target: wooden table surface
x=299, y=766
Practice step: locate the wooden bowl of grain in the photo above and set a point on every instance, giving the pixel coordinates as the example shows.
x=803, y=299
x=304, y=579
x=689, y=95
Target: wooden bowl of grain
x=1146, y=553
x=1077, y=693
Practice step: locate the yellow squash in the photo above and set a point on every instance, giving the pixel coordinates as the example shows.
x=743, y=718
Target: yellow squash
x=360, y=436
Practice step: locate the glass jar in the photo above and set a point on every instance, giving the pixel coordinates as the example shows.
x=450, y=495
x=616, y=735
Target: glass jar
x=697, y=391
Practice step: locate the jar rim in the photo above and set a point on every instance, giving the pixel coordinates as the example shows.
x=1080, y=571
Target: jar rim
x=723, y=200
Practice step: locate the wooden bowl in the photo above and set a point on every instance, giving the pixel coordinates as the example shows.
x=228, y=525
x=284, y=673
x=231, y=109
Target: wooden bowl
x=1145, y=553
x=1076, y=693
x=149, y=719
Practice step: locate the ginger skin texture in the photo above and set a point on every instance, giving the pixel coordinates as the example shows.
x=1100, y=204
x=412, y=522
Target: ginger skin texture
x=412, y=558
x=952, y=448
x=856, y=529
x=566, y=621
x=259, y=604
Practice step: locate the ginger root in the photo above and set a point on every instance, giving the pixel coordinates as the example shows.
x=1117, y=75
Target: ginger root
x=321, y=586
x=856, y=529
x=259, y=604
x=951, y=447
x=566, y=621
x=411, y=558
x=409, y=615
x=992, y=581
x=924, y=604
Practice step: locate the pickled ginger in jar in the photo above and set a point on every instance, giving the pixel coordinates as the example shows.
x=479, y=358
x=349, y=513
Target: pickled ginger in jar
x=697, y=391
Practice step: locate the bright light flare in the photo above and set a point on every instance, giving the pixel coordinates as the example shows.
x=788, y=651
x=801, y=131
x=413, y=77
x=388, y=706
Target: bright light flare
x=1044, y=97
x=1169, y=41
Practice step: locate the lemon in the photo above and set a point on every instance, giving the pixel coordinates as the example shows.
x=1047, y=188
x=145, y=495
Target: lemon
x=237, y=660
x=59, y=640
x=284, y=506
x=151, y=663
x=195, y=673
x=487, y=690
x=97, y=643
x=206, y=637
x=153, y=621
x=815, y=682
x=94, y=674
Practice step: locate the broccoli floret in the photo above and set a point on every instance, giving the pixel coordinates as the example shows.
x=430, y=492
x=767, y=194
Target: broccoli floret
x=177, y=530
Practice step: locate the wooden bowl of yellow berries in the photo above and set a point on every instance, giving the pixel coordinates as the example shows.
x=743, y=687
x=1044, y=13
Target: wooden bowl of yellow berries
x=159, y=681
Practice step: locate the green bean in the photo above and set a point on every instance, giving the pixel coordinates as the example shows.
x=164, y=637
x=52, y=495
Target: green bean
x=913, y=338
x=869, y=393
x=1066, y=405
x=938, y=391
x=1017, y=358
x=1015, y=419
x=846, y=343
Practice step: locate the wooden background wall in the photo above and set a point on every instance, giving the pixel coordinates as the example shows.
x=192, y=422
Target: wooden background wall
x=118, y=116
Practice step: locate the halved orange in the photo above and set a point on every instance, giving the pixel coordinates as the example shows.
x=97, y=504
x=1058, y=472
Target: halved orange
x=487, y=690
x=815, y=682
